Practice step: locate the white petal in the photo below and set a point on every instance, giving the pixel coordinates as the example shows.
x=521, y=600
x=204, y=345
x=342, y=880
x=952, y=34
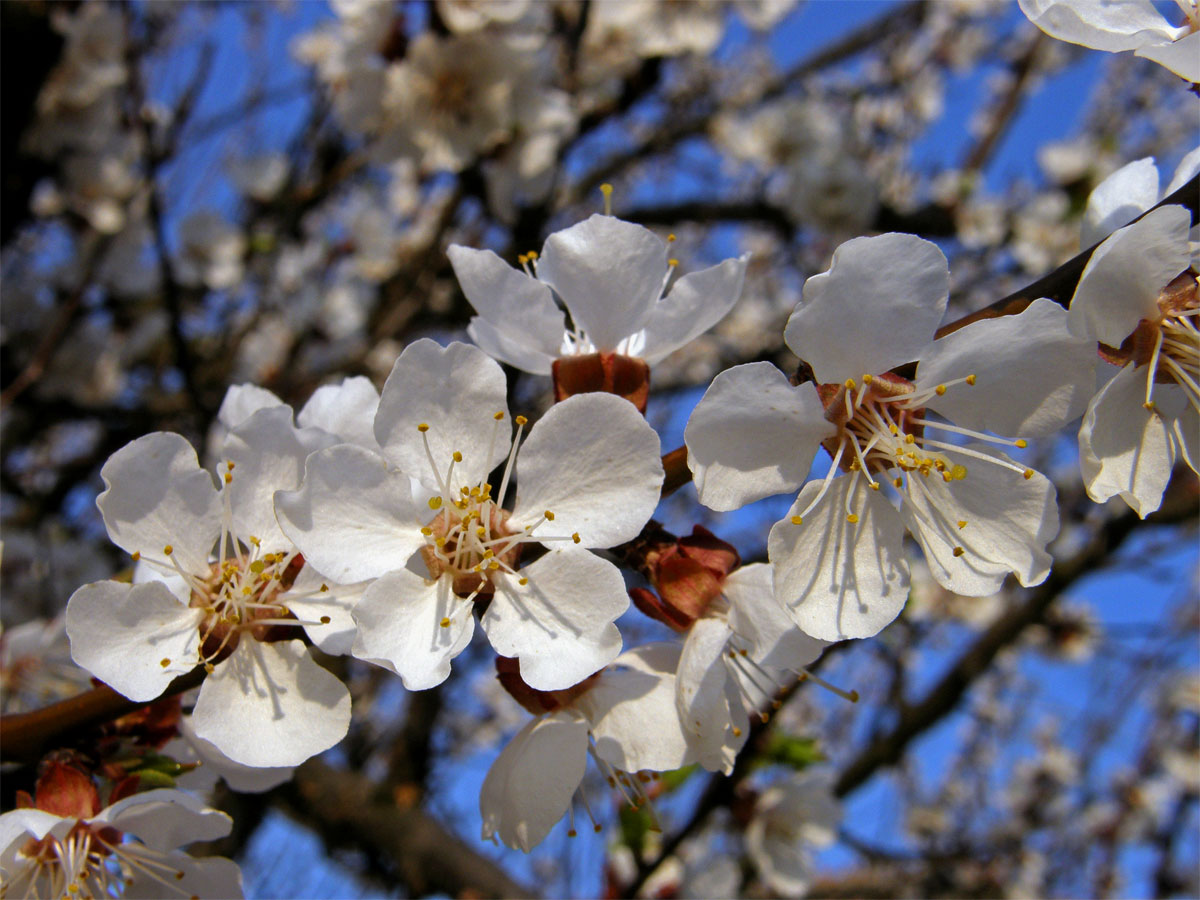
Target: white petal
x=399, y=627
x=1010, y=520
x=840, y=580
x=510, y=301
x=633, y=720
x=595, y=462
x=271, y=705
x=559, y=624
x=1112, y=26
x=531, y=783
x=1121, y=282
x=752, y=435
x=198, y=877
x=456, y=391
x=352, y=518
x=1181, y=57
x=696, y=303
x=762, y=622
x=877, y=307
x=1032, y=375
x=269, y=453
x=156, y=495
x=346, y=410
x=510, y=348
x=1188, y=168
x=17, y=823
x=1124, y=449
x=242, y=401
x=165, y=819
x=702, y=699
x=243, y=779
x=609, y=274
x=310, y=603
x=122, y=633
x=1119, y=199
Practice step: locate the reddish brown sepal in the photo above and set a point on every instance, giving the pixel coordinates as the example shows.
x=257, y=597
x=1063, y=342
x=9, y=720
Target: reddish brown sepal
x=508, y=673
x=610, y=373
x=66, y=792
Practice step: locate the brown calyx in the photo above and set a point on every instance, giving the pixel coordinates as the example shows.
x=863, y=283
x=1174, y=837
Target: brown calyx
x=688, y=575
x=508, y=673
x=217, y=632
x=1179, y=296
x=467, y=582
x=610, y=373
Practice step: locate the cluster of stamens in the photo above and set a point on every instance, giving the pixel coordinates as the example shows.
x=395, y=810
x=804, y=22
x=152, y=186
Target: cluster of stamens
x=469, y=538
x=90, y=862
x=881, y=436
x=1174, y=355
x=240, y=592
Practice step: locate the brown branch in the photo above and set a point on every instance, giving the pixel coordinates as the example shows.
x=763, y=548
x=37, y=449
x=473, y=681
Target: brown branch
x=1004, y=112
x=24, y=737
x=344, y=809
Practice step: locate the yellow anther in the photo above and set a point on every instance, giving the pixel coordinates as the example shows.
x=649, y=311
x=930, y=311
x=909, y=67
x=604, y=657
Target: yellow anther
x=672, y=262
x=940, y=389
x=874, y=485
x=970, y=379
x=532, y=254
x=445, y=623
x=427, y=531
x=575, y=537
x=850, y=385
x=440, y=541
x=229, y=464
x=257, y=566
x=959, y=551
x=435, y=502
x=494, y=564
x=498, y=416
x=852, y=518
x=457, y=456
x=522, y=258
x=549, y=516
x=522, y=581
x=606, y=189
x=208, y=667
x=737, y=732
x=910, y=439
x=168, y=549
x=489, y=553
x=671, y=238
x=521, y=420
x=898, y=481
x=255, y=541
x=868, y=378
x=1022, y=443
x=1150, y=405
x=1027, y=474
x=324, y=588
x=893, y=429
x=481, y=532
x=423, y=427
x=247, y=591
x=571, y=832
x=797, y=520
x=962, y=523
x=164, y=662
x=135, y=555
x=228, y=477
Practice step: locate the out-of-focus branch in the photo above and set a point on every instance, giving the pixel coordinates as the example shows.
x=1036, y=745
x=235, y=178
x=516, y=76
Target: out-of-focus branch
x=1004, y=111
x=343, y=808
x=1178, y=505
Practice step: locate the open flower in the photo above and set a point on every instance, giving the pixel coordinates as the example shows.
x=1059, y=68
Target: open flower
x=67, y=846
x=611, y=276
x=1138, y=299
x=623, y=718
x=739, y=641
x=1124, y=25
x=978, y=515
x=791, y=819
x=429, y=529
x=214, y=585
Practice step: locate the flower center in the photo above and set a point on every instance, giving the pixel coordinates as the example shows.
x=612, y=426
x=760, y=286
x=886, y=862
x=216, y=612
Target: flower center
x=91, y=861
x=1169, y=348
x=469, y=539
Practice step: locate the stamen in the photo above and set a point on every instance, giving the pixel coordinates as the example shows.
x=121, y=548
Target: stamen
x=607, y=190
x=806, y=675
